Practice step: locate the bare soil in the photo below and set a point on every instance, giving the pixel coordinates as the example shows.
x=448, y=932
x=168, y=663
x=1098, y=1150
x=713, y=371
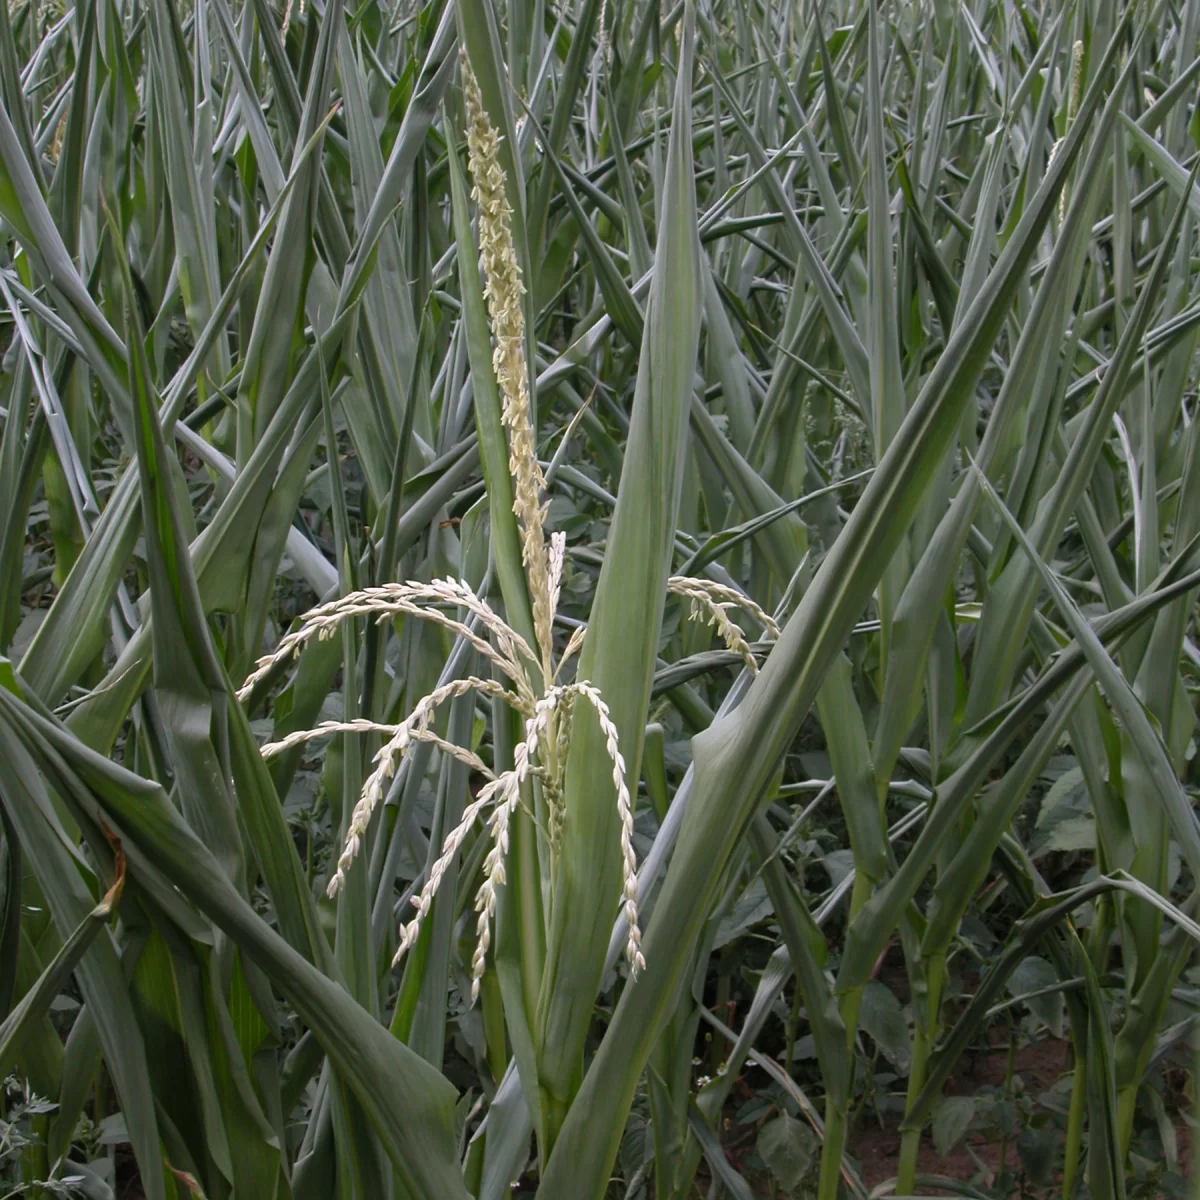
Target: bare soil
x=1039, y=1067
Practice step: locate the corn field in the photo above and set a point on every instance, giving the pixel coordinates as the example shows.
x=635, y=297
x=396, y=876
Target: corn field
x=599, y=598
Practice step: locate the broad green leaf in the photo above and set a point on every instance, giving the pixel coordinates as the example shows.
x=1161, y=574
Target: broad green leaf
x=951, y=1121
x=786, y=1146
x=883, y=1019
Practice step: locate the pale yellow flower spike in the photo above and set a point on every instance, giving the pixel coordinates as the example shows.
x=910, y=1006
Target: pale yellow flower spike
x=415, y=600
x=547, y=717
x=414, y=728
x=1072, y=109
x=503, y=288
x=715, y=599
x=629, y=889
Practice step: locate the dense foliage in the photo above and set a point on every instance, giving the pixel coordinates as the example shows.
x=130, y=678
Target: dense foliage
x=744, y=458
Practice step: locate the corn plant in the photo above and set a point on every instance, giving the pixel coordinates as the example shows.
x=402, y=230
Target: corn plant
x=493, y=494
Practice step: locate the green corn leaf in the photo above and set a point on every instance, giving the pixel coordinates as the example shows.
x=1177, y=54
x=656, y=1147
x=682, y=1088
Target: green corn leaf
x=618, y=651
x=408, y=1103
x=1128, y=707
x=98, y=971
x=34, y=1004
x=735, y=757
